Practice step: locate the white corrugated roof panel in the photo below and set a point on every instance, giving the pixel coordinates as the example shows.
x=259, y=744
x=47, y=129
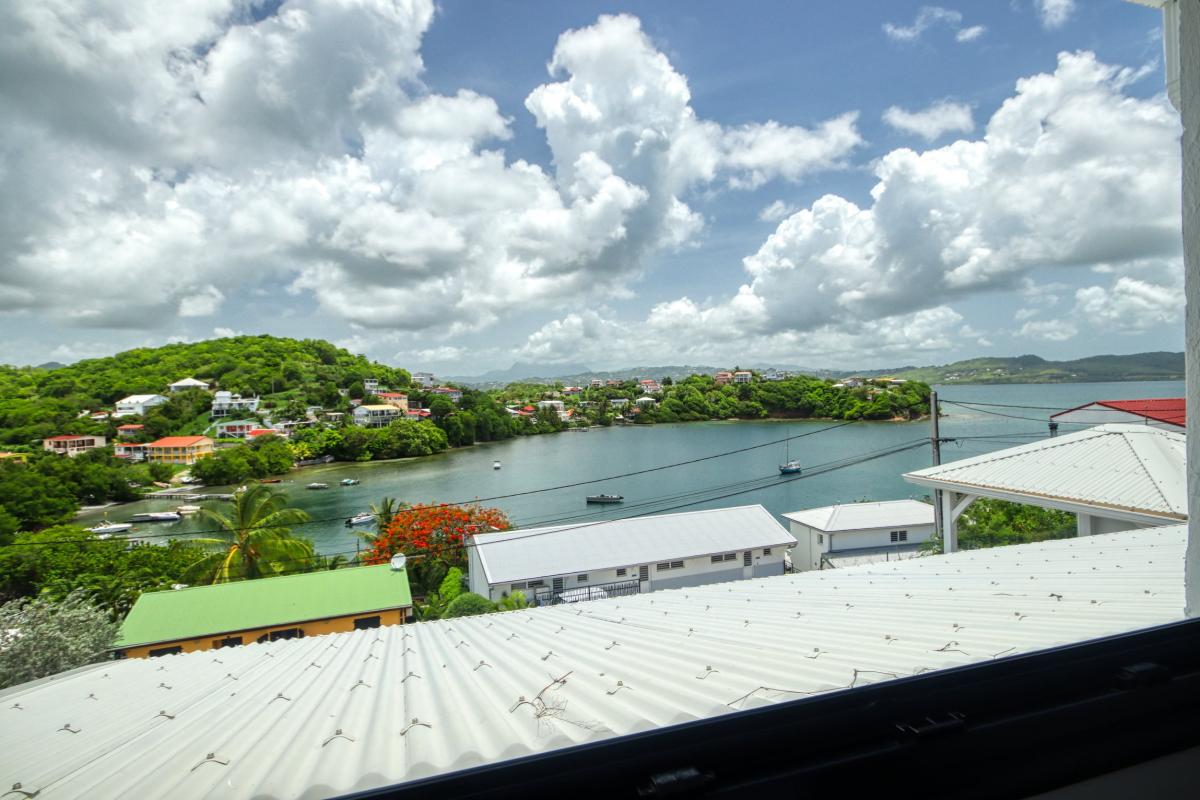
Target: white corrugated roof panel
x=865, y=516
x=331, y=714
x=564, y=549
x=1125, y=468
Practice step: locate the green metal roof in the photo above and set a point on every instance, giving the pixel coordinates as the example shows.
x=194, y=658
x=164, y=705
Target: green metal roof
x=206, y=610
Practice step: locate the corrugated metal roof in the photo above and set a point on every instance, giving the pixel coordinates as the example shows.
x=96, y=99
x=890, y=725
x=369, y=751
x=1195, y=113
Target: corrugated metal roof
x=1172, y=410
x=864, y=516
x=563, y=549
x=331, y=714
x=170, y=615
x=1127, y=468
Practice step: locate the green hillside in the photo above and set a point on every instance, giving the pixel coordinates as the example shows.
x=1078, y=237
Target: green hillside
x=1034, y=369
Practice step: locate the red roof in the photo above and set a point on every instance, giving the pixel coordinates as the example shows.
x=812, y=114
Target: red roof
x=390, y=394
x=178, y=441
x=262, y=432
x=130, y=427
x=1172, y=410
x=66, y=437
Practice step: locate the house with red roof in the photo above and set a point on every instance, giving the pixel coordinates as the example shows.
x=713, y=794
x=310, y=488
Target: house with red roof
x=179, y=449
x=129, y=431
x=71, y=444
x=1168, y=413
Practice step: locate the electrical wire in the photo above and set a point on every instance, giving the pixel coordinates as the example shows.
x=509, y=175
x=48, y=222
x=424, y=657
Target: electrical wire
x=973, y=407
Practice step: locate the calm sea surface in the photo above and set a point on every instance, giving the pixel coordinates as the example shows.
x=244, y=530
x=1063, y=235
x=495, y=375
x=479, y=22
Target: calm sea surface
x=540, y=462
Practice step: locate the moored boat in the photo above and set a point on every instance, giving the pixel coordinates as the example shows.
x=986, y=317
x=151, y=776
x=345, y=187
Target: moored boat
x=605, y=498
x=109, y=528
x=186, y=509
x=495, y=465
x=157, y=516
x=350, y=481
x=790, y=468
x=363, y=518
x=270, y=480
x=315, y=485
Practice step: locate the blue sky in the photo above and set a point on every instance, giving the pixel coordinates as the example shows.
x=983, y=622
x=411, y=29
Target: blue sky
x=692, y=183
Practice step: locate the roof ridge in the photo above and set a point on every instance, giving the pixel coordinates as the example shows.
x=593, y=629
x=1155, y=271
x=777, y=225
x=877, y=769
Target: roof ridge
x=1145, y=469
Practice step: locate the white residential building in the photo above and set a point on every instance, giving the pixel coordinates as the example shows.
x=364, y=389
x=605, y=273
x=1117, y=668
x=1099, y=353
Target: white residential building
x=137, y=404
x=596, y=383
x=858, y=533
x=188, y=383
x=743, y=376
x=235, y=428
x=226, y=403
x=71, y=444
x=553, y=405
x=370, y=385
x=424, y=379
x=629, y=556
x=619, y=402
x=376, y=416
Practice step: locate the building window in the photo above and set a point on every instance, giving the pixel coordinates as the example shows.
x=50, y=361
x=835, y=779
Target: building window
x=621, y=572
x=286, y=633
x=536, y=584
x=166, y=651
x=716, y=559
x=746, y=559
x=516, y=587
x=730, y=556
x=676, y=565
x=366, y=623
x=666, y=565
x=820, y=538
x=228, y=641
x=899, y=536
x=581, y=577
x=766, y=551
x=644, y=573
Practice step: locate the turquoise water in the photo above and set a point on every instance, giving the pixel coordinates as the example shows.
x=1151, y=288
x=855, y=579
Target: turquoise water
x=538, y=462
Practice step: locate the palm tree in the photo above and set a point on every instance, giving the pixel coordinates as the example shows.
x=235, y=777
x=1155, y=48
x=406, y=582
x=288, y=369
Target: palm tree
x=254, y=541
x=387, y=508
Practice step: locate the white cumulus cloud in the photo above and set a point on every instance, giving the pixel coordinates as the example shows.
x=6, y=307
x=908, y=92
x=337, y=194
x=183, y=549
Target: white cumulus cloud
x=929, y=17
x=1054, y=13
x=1049, y=330
x=932, y=122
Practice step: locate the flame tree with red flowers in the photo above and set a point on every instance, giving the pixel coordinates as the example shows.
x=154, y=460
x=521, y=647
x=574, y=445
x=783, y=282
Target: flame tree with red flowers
x=434, y=538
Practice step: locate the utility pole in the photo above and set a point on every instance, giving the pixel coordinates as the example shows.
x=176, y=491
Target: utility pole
x=936, y=442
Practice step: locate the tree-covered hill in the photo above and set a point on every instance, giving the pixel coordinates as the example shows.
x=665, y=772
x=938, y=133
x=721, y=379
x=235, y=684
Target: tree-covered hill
x=35, y=403
x=1157, y=366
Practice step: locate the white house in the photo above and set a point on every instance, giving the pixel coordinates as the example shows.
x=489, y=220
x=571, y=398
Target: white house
x=743, y=376
x=72, y=445
x=859, y=533
x=1168, y=413
x=552, y=405
x=628, y=556
x=370, y=385
x=423, y=379
x=596, y=383
x=226, y=403
x=376, y=416
x=137, y=404
x=235, y=428
x=645, y=401
x=188, y=383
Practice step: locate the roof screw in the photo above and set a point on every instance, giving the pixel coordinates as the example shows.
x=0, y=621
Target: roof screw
x=611, y=645
x=483, y=663
x=163, y=686
x=213, y=758
x=67, y=727
x=416, y=723
x=164, y=713
x=337, y=734
x=92, y=696
x=620, y=685
x=280, y=696
x=361, y=682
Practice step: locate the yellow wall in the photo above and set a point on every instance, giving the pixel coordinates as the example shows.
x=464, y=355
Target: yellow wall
x=395, y=616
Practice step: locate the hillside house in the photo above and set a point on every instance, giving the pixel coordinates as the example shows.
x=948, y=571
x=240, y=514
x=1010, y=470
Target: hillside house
x=133, y=451
x=235, y=428
x=722, y=378
x=619, y=402
x=1166, y=413
x=449, y=392
x=371, y=385
x=136, y=405
x=130, y=430
x=596, y=383
x=612, y=382
x=179, y=449
x=645, y=401
x=376, y=415
x=628, y=556
x=649, y=386
x=572, y=391
x=743, y=376
x=264, y=610
x=397, y=399
x=424, y=379
x=227, y=403
x=859, y=533
x=71, y=444
x=188, y=383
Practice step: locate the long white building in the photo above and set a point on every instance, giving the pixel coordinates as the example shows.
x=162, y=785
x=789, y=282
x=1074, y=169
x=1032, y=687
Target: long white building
x=137, y=404
x=629, y=556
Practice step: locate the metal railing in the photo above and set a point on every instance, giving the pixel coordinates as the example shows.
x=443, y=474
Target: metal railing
x=546, y=596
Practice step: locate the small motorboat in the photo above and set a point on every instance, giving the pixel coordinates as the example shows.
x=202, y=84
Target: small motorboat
x=270, y=480
x=186, y=510
x=109, y=528
x=605, y=498
x=350, y=481
x=315, y=485
x=791, y=468
x=364, y=518
x=495, y=465
x=157, y=516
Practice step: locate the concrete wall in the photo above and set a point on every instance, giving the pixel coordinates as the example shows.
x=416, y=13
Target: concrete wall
x=1189, y=93
x=395, y=616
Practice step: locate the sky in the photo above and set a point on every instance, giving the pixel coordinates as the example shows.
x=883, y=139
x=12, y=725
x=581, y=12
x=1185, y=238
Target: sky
x=457, y=186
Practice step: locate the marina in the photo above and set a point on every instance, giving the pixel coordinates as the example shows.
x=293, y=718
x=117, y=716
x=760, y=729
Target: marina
x=535, y=462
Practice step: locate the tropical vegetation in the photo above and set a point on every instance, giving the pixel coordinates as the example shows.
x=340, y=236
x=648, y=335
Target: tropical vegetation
x=40, y=637
x=995, y=523
x=253, y=540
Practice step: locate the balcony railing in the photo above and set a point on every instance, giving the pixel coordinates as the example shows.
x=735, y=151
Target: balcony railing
x=547, y=596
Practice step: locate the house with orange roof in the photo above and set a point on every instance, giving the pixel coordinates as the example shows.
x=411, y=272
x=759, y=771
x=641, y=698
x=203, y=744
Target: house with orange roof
x=179, y=449
x=72, y=444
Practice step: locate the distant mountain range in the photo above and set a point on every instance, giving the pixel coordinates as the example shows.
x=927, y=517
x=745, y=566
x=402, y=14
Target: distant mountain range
x=1019, y=369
